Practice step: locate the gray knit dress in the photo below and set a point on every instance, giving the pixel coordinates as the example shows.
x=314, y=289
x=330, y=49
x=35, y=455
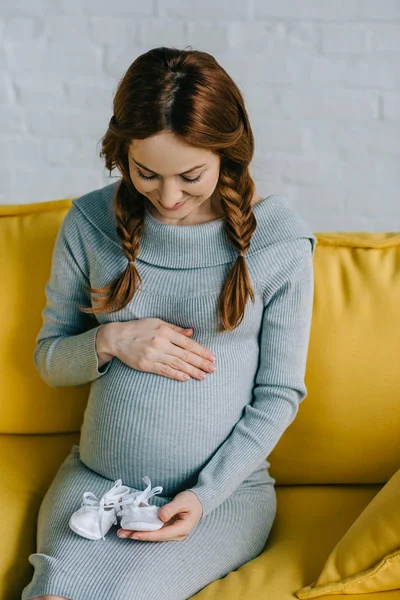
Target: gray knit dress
x=212, y=436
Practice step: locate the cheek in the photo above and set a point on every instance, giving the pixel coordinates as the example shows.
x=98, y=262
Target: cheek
x=207, y=183
x=206, y=188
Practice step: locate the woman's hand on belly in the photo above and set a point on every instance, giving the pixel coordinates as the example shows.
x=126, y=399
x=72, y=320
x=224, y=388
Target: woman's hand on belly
x=156, y=346
x=180, y=516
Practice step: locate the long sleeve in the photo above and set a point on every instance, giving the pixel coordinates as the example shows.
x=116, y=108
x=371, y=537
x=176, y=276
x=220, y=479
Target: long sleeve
x=279, y=381
x=65, y=352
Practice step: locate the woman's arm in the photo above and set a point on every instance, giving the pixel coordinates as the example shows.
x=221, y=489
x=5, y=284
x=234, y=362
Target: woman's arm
x=279, y=382
x=65, y=352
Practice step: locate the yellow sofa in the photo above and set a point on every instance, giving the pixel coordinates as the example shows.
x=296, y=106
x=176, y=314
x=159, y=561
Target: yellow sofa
x=336, y=456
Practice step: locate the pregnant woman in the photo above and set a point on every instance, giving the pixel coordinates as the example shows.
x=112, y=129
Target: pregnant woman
x=178, y=260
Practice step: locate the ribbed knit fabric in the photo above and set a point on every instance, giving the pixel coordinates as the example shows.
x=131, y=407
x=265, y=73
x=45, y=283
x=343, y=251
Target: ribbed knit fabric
x=212, y=437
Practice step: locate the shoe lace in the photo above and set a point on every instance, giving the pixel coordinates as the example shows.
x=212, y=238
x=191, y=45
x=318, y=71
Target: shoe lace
x=108, y=500
x=137, y=497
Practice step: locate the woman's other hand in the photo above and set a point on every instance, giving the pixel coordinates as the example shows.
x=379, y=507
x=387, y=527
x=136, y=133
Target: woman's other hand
x=155, y=346
x=180, y=516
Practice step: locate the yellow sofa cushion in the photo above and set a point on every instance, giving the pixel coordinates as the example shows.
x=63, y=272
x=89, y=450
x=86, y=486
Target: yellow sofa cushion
x=367, y=558
x=347, y=428
x=309, y=521
x=27, y=236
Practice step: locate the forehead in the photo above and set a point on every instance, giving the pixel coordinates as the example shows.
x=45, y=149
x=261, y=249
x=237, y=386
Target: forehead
x=166, y=153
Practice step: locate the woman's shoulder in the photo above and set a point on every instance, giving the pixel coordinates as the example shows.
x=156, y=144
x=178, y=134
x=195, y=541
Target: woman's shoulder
x=278, y=223
x=256, y=198
x=96, y=210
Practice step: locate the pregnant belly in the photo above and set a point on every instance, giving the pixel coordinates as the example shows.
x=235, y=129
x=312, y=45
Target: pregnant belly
x=138, y=424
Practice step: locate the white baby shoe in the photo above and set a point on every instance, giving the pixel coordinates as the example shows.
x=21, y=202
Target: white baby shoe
x=95, y=517
x=137, y=514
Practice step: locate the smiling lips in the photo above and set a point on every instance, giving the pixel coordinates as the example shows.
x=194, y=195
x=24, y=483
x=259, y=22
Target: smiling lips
x=173, y=207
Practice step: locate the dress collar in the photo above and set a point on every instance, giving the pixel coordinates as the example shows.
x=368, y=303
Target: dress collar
x=200, y=245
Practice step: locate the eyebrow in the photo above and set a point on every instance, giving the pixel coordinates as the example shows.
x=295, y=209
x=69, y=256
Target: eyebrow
x=184, y=172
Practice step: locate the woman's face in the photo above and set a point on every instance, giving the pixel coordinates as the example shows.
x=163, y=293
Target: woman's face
x=161, y=168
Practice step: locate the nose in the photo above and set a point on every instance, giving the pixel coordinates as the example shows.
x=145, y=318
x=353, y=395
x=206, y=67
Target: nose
x=170, y=195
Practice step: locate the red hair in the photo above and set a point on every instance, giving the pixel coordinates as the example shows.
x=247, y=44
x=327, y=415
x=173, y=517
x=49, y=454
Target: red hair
x=188, y=93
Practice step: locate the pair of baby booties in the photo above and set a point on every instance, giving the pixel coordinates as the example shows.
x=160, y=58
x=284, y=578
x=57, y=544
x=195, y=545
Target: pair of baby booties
x=95, y=517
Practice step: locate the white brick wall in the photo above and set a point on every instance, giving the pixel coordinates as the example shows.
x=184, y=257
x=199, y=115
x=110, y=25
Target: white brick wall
x=321, y=82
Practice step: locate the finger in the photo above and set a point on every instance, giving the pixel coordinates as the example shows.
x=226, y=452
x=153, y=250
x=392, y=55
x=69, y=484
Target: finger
x=191, y=345
x=168, y=532
x=180, y=329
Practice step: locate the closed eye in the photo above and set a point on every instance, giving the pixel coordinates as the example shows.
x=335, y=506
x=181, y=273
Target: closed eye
x=154, y=177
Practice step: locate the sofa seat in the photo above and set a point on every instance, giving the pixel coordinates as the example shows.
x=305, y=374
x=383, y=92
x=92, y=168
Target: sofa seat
x=310, y=520
x=28, y=464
